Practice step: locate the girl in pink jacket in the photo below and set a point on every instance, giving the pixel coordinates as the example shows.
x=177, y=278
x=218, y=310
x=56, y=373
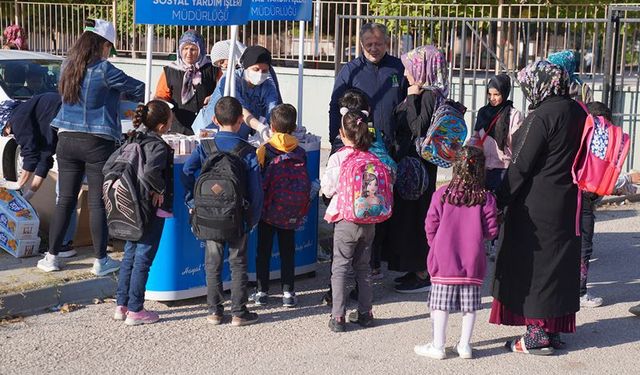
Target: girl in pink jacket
x=461, y=216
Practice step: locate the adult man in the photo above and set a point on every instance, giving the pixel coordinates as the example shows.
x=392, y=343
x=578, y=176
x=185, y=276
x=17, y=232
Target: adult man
x=377, y=74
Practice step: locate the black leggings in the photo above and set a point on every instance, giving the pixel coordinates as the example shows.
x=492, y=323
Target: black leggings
x=79, y=154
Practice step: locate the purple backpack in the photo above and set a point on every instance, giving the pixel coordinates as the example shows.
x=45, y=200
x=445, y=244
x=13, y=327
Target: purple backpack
x=286, y=188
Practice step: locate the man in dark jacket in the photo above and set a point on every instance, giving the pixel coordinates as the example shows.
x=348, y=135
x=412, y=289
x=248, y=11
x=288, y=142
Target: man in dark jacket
x=376, y=73
x=30, y=124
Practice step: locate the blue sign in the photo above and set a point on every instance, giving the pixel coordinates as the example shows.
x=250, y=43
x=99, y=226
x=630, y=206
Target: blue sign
x=281, y=10
x=192, y=12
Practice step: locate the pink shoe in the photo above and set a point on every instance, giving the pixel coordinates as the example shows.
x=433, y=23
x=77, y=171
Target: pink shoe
x=141, y=317
x=121, y=313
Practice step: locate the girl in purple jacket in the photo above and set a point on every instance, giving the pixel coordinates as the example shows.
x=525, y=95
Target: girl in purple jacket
x=461, y=216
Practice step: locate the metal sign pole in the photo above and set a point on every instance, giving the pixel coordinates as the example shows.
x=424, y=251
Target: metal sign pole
x=229, y=83
x=300, y=70
x=147, y=94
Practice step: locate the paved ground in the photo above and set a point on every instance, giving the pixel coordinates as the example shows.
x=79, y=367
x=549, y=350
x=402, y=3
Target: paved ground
x=292, y=341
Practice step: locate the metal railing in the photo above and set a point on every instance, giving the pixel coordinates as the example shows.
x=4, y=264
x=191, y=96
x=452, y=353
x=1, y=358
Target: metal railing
x=52, y=27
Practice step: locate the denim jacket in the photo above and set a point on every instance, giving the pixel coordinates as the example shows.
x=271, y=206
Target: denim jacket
x=98, y=108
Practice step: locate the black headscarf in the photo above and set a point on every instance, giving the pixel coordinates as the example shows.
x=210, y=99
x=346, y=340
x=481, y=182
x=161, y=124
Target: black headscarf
x=255, y=55
x=486, y=114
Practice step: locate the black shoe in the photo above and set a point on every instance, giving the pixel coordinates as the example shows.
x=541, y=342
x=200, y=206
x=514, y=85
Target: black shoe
x=556, y=341
x=337, y=325
x=259, y=298
x=354, y=294
x=409, y=276
x=328, y=298
x=363, y=319
x=415, y=286
x=244, y=319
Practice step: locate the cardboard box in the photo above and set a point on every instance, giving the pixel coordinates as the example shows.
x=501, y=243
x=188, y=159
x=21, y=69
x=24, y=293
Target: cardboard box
x=17, y=218
x=19, y=248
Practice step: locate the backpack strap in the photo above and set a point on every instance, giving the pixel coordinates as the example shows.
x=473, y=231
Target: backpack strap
x=209, y=146
x=493, y=123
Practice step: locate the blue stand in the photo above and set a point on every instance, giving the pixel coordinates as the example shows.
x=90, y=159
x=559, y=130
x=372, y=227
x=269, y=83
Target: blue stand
x=178, y=271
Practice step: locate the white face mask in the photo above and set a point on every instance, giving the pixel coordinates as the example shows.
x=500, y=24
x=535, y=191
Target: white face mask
x=255, y=78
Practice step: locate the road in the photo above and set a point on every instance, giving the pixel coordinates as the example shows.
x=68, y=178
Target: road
x=297, y=341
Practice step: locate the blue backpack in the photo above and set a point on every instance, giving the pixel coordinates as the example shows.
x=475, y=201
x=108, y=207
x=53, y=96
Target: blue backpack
x=413, y=178
x=380, y=151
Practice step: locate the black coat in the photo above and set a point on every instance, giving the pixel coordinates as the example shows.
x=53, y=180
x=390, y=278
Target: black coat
x=406, y=246
x=186, y=113
x=538, y=265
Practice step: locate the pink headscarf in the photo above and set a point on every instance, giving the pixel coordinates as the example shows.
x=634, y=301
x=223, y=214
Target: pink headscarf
x=14, y=34
x=428, y=67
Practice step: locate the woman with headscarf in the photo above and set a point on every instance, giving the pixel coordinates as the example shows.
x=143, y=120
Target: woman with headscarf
x=255, y=89
x=187, y=83
x=495, y=125
x=568, y=60
x=406, y=241
x=538, y=266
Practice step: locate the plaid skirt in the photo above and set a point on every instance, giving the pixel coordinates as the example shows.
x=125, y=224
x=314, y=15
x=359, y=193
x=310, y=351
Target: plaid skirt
x=465, y=298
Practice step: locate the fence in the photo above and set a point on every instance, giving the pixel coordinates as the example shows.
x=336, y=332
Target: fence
x=52, y=27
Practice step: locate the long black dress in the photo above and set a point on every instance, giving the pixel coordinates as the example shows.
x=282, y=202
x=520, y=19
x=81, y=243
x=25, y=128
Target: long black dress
x=538, y=265
x=406, y=246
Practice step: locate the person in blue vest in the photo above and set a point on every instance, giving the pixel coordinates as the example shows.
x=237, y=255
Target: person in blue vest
x=379, y=75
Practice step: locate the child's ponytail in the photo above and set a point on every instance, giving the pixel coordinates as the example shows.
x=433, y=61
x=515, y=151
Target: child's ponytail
x=355, y=128
x=152, y=115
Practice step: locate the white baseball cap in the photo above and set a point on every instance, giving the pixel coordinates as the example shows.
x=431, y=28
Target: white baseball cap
x=105, y=29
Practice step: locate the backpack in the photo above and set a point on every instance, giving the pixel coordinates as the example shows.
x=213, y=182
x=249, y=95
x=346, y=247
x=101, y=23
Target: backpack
x=413, y=178
x=380, y=151
x=445, y=135
x=220, y=194
x=125, y=193
x=358, y=171
x=286, y=188
x=603, y=149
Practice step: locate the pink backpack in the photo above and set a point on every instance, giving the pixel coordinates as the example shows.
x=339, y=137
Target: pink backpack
x=365, y=191
x=603, y=149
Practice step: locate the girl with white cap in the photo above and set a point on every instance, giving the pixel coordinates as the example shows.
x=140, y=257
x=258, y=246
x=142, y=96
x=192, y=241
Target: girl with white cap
x=88, y=128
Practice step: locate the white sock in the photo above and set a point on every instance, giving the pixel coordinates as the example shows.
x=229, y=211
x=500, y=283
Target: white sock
x=468, y=320
x=439, y=319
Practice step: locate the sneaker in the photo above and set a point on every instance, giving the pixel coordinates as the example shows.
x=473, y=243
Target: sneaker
x=49, y=263
x=259, y=298
x=416, y=286
x=328, y=298
x=409, y=276
x=215, y=318
x=635, y=310
x=428, y=350
x=105, y=266
x=365, y=320
x=465, y=352
x=337, y=324
x=590, y=301
x=141, y=317
x=121, y=313
x=245, y=319
x=376, y=274
x=67, y=251
x=289, y=299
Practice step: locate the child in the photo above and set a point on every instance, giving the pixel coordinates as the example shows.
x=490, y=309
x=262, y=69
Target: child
x=283, y=123
x=456, y=262
x=228, y=116
x=156, y=117
x=589, y=200
x=351, y=242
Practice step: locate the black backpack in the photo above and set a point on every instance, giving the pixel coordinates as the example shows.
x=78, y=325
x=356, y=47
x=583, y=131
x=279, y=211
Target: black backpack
x=220, y=194
x=125, y=193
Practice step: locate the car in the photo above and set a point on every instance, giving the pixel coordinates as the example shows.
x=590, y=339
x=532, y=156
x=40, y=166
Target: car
x=22, y=75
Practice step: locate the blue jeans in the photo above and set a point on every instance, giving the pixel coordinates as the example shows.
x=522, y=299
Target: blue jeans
x=134, y=269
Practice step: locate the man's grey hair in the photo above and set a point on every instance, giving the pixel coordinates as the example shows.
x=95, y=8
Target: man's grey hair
x=373, y=26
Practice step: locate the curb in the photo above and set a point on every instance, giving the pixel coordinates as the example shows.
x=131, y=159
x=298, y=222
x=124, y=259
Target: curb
x=38, y=300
